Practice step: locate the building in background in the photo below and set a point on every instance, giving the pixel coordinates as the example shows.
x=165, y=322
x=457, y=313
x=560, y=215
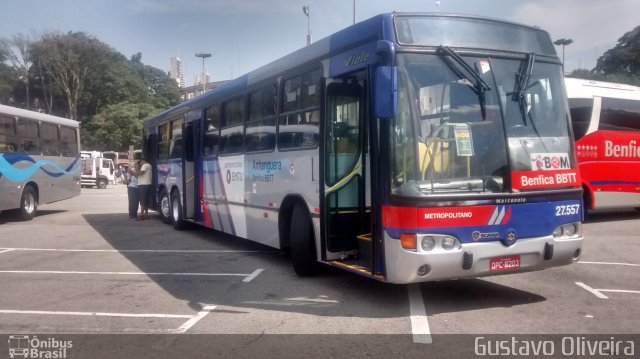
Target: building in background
x=176, y=72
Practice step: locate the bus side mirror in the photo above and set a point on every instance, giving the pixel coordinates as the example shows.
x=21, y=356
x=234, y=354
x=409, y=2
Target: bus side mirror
x=386, y=92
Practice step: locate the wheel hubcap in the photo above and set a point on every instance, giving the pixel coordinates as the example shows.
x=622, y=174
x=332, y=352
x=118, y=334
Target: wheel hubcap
x=164, y=204
x=29, y=203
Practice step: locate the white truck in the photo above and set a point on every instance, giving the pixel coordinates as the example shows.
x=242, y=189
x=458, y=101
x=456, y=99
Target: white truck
x=96, y=170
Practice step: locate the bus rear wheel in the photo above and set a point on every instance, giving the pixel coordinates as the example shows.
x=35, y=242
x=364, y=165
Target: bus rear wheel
x=165, y=207
x=28, y=204
x=176, y=212
x=303, y=249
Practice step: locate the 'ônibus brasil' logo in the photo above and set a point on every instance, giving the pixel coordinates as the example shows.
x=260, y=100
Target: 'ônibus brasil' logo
x=550, y=161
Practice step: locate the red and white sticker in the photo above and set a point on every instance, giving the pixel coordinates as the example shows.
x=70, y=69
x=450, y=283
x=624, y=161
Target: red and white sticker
x=524, y=180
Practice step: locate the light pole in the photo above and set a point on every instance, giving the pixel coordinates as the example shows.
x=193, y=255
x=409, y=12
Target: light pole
x=354, y=11
x=306, y=11
x=203, y=55
x=563, y=42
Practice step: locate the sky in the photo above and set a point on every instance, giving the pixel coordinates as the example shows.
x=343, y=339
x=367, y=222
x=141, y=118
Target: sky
x=243, y=35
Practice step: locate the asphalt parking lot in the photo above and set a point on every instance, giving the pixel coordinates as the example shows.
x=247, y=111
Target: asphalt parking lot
x=83, y=267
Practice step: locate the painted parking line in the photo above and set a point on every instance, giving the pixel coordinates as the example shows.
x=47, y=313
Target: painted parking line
x=598, y=292
x=419, y=320
x=612, y=264
x=591, y=290
x=178, y=251
x=96, y=314
x=249, y=276
x=191, y=319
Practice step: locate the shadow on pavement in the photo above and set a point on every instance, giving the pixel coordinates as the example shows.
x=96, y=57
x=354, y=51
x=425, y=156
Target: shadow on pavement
x=332, y=292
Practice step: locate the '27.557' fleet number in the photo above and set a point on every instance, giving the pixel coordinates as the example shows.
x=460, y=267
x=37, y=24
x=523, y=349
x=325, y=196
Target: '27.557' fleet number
x=567, y=210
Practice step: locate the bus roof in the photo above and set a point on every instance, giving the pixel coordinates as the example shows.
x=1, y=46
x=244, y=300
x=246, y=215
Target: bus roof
x=379, y=27
x=19, y=112
x=582, y=88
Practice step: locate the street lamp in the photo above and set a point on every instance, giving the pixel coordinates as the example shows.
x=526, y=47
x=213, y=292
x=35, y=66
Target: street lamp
x=563, y=42
x=305, y=9
x=354, y=11
x=203, y=55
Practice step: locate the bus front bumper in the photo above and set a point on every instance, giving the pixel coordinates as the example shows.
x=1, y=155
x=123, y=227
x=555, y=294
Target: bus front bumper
x=478, y=259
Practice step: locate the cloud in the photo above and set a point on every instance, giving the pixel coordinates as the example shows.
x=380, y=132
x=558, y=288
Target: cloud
x=588, y=22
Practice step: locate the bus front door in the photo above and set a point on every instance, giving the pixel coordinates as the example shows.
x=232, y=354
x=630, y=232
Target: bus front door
x=343, y=211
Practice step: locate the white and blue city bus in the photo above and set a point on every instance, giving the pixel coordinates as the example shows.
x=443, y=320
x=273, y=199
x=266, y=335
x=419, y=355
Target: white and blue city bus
x=39, y=160
x=405, y=148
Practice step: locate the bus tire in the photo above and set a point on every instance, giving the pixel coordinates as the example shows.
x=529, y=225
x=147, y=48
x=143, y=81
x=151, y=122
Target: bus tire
x=303, y=248
x=28, y=204
x=176, y=212
x=165, y=207
x=101, y=183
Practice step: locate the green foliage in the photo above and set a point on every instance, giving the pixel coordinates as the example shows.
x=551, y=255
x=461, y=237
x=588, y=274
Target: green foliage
x=624, y=58
x=117, y=126
x=76, y=75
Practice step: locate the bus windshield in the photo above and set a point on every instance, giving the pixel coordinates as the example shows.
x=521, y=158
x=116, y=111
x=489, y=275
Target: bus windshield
x=464, y=123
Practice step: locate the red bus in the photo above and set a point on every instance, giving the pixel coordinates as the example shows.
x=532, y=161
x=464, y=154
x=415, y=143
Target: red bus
x=606, y=126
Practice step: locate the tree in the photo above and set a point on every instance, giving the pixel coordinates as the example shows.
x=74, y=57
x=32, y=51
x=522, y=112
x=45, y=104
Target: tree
x=70, y=59
x=624, y=58
x=16, y=52
x=117, y=126
x=162, y=90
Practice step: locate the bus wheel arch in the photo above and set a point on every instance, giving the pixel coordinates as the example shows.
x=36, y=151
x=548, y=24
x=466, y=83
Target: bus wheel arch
x=28, y=202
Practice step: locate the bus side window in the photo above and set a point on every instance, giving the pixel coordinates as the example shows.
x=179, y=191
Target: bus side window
x=260, y=130
x=8, y=139
x=68, y=142
x=211, y=131
x=300, y=117
x=163, y=143
x=49, y=140
x=232, y=135
x=175, y=147
x=28, y=134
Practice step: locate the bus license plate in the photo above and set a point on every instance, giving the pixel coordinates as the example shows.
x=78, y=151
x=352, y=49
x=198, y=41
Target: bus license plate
x=504, y=263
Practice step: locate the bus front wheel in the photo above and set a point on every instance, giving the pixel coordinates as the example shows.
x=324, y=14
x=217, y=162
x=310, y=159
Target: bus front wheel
x=28, y=204
x=303, y=249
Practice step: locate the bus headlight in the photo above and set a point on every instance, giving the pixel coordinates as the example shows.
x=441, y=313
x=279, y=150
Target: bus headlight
x=568, y=230
x=428, y=243
x=448, y=243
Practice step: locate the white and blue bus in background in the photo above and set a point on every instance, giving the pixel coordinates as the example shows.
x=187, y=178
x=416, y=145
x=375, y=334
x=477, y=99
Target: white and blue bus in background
x=39, y=160
x=405, y=148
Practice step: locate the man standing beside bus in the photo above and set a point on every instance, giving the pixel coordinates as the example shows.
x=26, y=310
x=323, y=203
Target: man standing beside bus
x=144, y=188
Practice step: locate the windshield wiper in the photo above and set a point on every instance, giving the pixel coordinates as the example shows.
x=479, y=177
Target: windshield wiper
x=522, y=84
x=480, y=85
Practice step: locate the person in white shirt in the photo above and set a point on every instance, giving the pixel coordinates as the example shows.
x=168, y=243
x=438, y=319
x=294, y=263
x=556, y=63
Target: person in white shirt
x=131, y=180
x=144, y=188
